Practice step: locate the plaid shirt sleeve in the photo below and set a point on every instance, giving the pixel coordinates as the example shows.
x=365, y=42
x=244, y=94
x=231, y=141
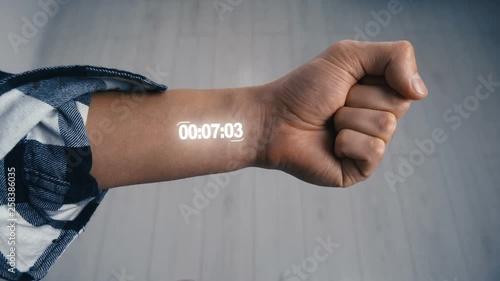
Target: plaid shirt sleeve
x=47, y=194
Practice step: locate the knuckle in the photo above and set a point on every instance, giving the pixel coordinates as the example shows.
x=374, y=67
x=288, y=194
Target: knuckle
x=377, y=147
x=344, y=42
x=402, y=105
x=406, y=47
x=342, y=138
x=365, y=173
x=387, y=122
x=343, y=46
x=345, y=55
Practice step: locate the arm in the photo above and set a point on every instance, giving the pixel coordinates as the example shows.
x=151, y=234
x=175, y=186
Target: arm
x=135, y=137
x=327, y=122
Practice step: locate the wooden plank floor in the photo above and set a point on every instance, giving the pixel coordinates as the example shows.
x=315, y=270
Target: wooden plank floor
x=442, y=223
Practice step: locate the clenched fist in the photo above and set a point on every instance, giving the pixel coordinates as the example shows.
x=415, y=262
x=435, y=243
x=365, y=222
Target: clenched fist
x=333, y=117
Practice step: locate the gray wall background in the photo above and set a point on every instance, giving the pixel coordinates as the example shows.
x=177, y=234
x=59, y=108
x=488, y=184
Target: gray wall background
x=441, y=223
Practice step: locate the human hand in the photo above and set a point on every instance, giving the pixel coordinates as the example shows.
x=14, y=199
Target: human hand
x=332, y=117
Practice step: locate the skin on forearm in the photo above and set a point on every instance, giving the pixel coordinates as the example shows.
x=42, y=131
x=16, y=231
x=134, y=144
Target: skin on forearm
x=135, y=139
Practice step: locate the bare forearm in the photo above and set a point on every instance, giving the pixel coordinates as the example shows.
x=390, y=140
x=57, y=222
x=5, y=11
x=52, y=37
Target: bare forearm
x=136, y=139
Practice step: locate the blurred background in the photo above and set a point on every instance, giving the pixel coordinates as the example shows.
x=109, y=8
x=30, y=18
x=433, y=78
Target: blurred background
x=431, y=212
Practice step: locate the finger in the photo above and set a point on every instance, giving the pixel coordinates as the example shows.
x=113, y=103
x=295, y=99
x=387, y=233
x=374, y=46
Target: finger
x=380, y=124
x=394, y=60
x=366, y=150
x=377, y=97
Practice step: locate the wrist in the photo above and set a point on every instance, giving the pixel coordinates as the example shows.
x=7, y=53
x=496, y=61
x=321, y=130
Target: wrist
x=260, y=101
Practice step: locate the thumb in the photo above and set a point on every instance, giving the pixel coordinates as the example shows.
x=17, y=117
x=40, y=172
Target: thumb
x=394, y=60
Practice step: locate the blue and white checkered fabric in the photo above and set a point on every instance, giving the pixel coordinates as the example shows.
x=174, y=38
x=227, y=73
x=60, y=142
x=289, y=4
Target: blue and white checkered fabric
x=47, y=195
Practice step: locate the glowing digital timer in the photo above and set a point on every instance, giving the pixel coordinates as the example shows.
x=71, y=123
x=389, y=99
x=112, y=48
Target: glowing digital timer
x=231, y=131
